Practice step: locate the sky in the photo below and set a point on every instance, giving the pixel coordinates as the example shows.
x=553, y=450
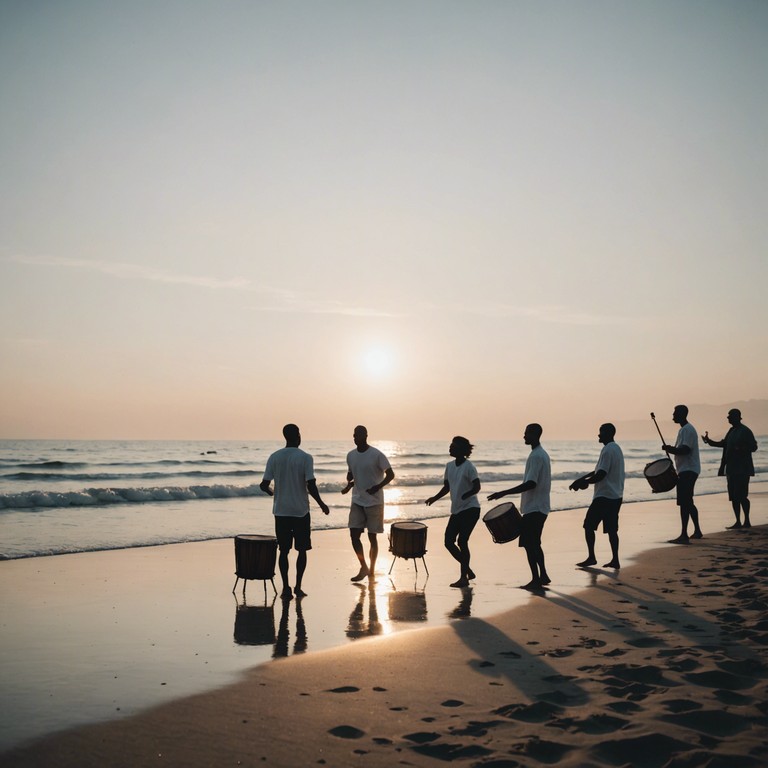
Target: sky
x=432, y=218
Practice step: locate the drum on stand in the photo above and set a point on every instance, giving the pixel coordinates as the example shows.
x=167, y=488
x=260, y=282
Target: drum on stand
x=504, y=522
x=255, y=558
x=661, y=475
x=409, y=541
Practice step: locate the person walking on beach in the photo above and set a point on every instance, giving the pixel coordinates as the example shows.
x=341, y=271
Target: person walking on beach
x=738, y=446
x=293, y=472
x=462, y=482
x=688, y=466
x=608, y=479
x=368, y=472
x=534, y=505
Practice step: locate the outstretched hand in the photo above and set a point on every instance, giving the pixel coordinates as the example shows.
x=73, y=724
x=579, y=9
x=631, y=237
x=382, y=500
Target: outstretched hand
x=497, y=495
x=579, y=485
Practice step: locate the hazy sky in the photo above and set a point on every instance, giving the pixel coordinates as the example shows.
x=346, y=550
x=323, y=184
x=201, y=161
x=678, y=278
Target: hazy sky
x=429, y=217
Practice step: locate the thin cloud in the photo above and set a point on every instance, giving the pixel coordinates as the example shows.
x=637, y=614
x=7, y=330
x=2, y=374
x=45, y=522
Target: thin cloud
x=549, y=314
x=284, y=300
x=133, y=271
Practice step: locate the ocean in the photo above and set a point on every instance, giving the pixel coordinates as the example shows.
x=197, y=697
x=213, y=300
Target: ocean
x=59, y=497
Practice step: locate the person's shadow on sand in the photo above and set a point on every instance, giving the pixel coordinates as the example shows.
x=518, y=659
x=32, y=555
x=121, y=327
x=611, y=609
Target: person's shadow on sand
x=502, y=657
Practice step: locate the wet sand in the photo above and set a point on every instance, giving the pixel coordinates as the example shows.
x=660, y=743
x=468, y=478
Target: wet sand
x=661, y=664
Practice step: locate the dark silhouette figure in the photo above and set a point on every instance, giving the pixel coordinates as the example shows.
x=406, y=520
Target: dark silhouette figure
x=293, y=472
x=462, y=482
x=738, y=446
x=534, y=505
x=368, y=472
x=608, y=479
x=688, y=466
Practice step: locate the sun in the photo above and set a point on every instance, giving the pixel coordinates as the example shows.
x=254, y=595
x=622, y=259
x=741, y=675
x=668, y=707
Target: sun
x=378, y=362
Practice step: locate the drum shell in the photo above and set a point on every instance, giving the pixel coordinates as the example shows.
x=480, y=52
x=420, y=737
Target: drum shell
x=408, y=540
x=661, y=481
x=255, y=556
x=506, y=526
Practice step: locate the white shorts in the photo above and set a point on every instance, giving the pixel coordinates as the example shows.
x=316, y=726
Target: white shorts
x=371, y=518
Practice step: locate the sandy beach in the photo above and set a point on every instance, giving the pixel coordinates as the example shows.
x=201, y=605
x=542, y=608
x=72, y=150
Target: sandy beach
x=660, y=664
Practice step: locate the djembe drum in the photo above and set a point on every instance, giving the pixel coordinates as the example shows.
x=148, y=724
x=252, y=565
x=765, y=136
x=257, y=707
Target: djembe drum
x=409, y=541
x=661, y=475
x=255, y=558
x=504, y=522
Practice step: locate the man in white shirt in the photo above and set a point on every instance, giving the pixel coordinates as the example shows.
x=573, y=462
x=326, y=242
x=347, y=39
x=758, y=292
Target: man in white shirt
x=534, y=505
x=368, y=472
x=688, y=466
x=293, y=472
x=608, y=479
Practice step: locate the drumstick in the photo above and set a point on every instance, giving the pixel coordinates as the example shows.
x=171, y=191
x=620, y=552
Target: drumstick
x=663, y=441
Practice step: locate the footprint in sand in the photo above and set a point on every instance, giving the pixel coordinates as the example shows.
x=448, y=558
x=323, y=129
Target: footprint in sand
x=347, y=732
x=713, y=722
x=422, y=737
x=450, y=752
x=451, y=703
x=343, y=689
x=539, y=712
x=719, y=679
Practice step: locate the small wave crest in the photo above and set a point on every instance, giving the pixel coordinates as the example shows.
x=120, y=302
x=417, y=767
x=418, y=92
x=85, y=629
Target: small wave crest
x=92, y=497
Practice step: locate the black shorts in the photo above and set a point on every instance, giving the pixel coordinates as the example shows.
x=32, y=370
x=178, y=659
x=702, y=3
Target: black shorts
x=738, y=487
x=605, y=511
x=531, y=527
x=293, y=531
x=685, y=483
x=461, y=524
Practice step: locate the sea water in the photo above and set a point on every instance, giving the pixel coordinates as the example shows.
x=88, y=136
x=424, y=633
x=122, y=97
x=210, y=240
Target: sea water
x=75, y=496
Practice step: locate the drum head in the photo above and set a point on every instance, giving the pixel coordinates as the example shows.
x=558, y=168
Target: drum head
x=409, y=526
x=254, y=537
x=658, y=467
x=498, y=511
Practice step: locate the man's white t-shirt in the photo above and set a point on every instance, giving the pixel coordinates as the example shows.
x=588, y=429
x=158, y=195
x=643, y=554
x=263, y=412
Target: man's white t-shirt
x=290, y=468
x=460, y=479
x=539, y=469
x=611, y=461
x=689, y=462
x=367, y=468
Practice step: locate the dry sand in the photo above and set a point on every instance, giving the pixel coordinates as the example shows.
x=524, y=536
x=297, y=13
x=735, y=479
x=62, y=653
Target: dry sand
x=662, y=664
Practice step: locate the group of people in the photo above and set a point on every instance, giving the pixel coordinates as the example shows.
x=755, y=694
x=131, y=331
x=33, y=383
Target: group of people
x=369, y=471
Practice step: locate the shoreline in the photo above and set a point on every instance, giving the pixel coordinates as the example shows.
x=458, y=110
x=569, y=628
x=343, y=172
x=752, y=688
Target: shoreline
x=489, y=611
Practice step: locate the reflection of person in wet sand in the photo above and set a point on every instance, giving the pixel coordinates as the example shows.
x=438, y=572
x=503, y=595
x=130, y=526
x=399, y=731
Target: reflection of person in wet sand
x=462, y=482
x=280, y=649
x=358, y=625
x=293, y=472
x=369, y=471
x=738, y=446
x=534, y=505
x=608, y=479
x=688, y=466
